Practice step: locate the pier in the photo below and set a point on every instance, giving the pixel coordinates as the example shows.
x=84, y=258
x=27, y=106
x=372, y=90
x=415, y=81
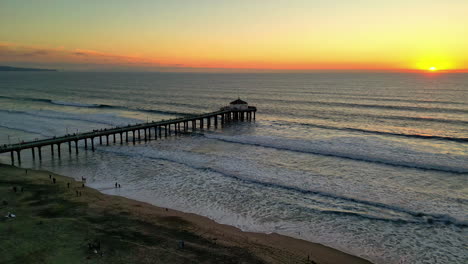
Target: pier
x=146, y=131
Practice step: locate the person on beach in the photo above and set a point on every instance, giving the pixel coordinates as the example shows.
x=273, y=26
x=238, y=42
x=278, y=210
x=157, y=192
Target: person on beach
x=68, y=185
x=50, y=176
x=116, y=185
x=119, y=185
x=54, y=180
x=82, y=185
x=14, y=188
x=181, y=244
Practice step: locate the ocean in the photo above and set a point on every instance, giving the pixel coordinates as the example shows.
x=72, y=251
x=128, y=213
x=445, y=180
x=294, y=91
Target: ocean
x=373, y=164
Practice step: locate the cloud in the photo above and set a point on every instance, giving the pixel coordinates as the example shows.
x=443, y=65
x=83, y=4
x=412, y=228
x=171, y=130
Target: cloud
x=79, y=53
x=35, y=53
x=16, y=53
x=13, y=51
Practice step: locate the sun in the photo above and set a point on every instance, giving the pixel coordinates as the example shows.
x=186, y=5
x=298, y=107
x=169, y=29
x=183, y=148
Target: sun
x=433, y=68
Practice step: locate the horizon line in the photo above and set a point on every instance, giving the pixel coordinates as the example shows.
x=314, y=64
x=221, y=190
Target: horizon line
x=241, y=70
x=235, y=70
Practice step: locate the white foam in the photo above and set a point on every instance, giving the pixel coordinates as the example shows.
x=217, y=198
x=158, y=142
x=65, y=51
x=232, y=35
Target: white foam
x=74, y=104
x=46, y=123
x=372, y=149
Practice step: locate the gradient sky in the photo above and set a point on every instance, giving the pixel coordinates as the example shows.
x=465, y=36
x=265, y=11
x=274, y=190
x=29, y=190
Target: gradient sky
x=240, y=34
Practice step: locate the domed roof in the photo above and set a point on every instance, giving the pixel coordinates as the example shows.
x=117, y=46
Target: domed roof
x=238, y=101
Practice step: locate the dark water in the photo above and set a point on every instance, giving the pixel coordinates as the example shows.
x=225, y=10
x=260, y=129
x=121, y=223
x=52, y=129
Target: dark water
x=372, y=164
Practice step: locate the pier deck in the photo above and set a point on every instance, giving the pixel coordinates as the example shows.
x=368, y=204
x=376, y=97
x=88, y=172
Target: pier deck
x=161, y=129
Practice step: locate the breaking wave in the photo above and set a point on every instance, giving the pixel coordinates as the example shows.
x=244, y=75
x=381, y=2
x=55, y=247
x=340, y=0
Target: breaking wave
x=104, y=106
x=353, y=149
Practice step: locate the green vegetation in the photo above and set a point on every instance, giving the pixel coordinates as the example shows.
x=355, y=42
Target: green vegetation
x=54, y=225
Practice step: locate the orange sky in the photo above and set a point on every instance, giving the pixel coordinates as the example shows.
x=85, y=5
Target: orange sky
x=255, y=34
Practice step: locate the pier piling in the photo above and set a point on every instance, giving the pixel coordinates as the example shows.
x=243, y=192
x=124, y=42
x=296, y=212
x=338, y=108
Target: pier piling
x=19, y=156
x=225, y=115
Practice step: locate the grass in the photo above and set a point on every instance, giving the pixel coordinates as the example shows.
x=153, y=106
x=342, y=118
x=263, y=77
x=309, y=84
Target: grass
x=53, y=225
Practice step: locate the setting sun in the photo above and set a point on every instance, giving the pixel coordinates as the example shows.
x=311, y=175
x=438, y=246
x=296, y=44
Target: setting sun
x=433, y=69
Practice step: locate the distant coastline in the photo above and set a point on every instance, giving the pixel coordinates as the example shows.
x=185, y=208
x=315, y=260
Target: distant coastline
x=8, y=68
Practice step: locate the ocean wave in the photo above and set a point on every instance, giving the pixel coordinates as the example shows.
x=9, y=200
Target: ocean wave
x=415, y=217
x=55, y=102
x=364, y=105
x=337, y=204
x=93, y=118
x=353, y=149
x=354, y=116
x=389, y=107
x=26, y=130
x=357, y=97
x=103, y=106
x=385, y=133
x=421, y=119
x=74, y=104
x=406, y=100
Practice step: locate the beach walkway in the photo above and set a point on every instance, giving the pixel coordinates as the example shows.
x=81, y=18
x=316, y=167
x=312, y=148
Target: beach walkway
x=160, y=129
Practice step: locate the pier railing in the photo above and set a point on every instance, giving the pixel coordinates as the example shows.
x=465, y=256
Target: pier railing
x=161, y=129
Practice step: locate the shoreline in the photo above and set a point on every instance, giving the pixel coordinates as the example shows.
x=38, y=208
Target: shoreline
x=267, y=248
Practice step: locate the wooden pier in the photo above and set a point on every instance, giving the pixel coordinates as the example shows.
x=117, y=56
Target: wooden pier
x=147, y=131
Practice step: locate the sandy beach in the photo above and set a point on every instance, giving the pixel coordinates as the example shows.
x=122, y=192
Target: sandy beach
x=54, y=222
